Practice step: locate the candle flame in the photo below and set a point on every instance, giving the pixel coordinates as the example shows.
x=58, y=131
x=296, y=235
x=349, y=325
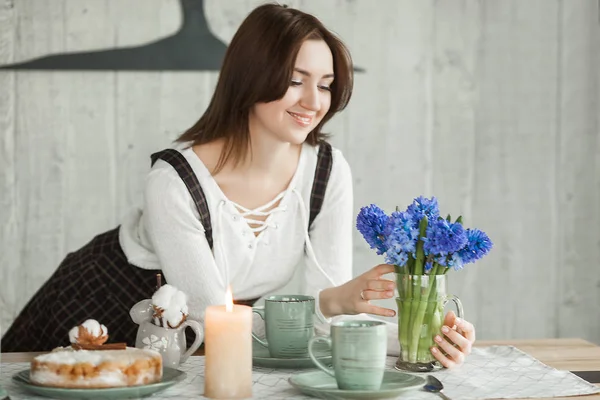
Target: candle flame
x=228, y=300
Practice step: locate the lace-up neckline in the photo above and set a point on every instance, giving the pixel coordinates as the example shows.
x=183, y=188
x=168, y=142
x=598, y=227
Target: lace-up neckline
x=266, y=210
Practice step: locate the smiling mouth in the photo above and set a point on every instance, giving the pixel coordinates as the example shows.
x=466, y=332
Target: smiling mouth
x=300, y=119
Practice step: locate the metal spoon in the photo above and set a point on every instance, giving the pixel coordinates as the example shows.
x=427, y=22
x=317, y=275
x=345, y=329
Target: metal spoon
x=433, y=385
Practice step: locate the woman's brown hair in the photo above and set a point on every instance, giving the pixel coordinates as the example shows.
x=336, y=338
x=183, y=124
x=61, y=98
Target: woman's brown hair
x=257, y=68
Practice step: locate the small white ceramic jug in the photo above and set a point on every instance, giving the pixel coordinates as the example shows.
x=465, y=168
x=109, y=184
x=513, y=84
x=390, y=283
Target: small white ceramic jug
x=169, y=342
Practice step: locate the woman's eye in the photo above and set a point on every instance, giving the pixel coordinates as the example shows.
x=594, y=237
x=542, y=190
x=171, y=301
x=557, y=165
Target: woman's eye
x=295, y=82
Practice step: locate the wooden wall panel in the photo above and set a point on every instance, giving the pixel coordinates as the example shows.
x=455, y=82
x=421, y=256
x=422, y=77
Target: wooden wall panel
x=491, y=106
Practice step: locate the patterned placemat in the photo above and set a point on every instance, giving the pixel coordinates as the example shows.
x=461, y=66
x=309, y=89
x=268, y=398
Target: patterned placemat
x=505, y=372
x=489, y=373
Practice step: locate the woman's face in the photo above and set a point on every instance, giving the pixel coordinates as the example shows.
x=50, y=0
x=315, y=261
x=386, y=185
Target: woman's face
x=306, y=101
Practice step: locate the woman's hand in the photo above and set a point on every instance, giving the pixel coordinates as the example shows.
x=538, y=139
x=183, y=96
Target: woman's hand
x=457, y=340
x=353, y=296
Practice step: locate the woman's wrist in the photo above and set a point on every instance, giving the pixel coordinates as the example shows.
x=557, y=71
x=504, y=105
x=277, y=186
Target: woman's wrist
x=328, y=303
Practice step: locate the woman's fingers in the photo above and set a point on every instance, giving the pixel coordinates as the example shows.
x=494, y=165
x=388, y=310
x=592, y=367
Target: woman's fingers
x=376, y=310
x=380, y=284
x=378, y=271
x=458, y=339
x=445, y=361
x=454, y=353
x=457, y=343
x=450, y=318
x=467, y=329
x=377, y=294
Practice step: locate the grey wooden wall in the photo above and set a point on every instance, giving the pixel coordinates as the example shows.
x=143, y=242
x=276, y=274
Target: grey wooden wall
x=492, y=106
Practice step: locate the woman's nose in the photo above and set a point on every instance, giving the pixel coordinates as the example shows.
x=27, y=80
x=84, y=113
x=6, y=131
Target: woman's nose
x=311, y=99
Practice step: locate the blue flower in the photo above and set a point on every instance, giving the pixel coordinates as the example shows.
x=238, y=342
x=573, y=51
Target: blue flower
x=401, y=235
x=428, y=266
x=443, y=243
x=444, y=238
x=478, y=245
x=423, y=206
x=455, y=262
x=402, y=231
x=396, y=258
x=371, y=222
x=442, y=260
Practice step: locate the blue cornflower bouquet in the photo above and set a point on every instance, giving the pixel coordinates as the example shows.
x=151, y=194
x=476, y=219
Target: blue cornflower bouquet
x=423, y=246
x=419, y=241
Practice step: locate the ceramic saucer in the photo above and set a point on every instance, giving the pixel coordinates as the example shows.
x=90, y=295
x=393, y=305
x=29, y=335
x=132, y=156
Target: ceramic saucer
x=170, y=377
x=262, y=358
x=321, y=385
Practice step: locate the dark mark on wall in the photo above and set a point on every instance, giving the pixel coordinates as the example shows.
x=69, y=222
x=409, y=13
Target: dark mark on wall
x=193, y=47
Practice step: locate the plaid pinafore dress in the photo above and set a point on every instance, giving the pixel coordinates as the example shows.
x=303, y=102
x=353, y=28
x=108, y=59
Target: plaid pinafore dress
x=98, y=282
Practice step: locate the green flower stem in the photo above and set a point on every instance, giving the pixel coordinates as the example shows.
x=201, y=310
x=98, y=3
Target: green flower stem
x=416, y=314
x=420, y=254
x=404, y=331
x=416, y=324
x=404, y=289
x=404, y=283
x=435, y=320
x=411, y=265
x=427, y=322
x=431, y=318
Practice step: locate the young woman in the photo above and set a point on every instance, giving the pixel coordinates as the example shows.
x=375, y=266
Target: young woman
x=243, y=196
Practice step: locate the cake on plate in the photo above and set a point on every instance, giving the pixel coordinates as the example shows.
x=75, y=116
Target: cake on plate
x=89, y=363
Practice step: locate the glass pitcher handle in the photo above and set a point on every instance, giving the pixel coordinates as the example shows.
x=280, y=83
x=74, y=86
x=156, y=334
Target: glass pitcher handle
x=460, y=313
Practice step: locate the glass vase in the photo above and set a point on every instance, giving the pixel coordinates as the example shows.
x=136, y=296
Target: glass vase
x=421, y=301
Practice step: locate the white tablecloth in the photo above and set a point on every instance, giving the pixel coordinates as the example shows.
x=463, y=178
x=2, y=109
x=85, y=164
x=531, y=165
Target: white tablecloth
x=489, y=373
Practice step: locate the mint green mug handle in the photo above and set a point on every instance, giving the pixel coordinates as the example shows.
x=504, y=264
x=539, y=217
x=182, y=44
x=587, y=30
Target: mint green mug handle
x=261, y=313
x=318, y=363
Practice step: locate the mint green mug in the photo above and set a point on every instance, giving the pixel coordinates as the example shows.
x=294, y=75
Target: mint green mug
x=359, y=353
x=289, y=325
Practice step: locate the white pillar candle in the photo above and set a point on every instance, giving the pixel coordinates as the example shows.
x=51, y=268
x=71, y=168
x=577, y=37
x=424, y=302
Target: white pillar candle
x=228, y=351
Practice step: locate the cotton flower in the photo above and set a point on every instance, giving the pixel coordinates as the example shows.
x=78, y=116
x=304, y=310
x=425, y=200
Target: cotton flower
x=172, y=304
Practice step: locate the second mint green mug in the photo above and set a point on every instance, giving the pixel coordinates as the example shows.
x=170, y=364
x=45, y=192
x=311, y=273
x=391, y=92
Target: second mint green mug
x=289, y=325
x=359, y=353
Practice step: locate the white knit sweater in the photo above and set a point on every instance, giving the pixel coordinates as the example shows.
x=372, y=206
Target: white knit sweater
x=167, y=234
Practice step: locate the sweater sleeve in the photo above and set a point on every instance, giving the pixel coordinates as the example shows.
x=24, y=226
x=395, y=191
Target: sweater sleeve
x=331, y=240
x=331, y=235
x=178, y=239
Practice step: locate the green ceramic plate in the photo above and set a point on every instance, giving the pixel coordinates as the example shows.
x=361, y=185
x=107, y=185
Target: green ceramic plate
x=321, y=385
x=170, y=377
x=262, y=358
